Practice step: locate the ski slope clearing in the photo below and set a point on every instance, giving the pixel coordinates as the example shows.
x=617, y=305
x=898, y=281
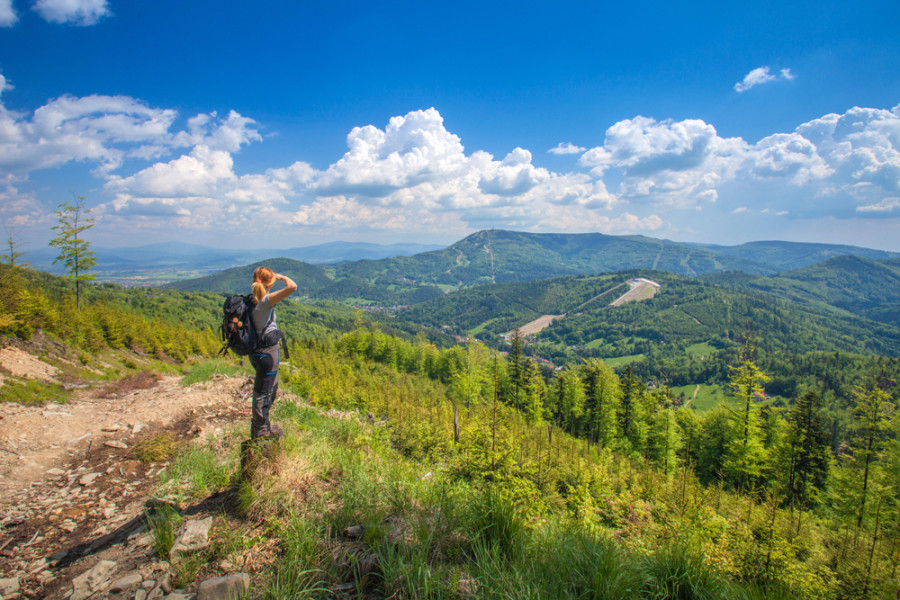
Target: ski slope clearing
x=539, y=324
x=641, y=289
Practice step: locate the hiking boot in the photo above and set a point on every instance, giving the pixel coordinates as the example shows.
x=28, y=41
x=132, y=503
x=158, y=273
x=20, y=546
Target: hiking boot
x=274, y=432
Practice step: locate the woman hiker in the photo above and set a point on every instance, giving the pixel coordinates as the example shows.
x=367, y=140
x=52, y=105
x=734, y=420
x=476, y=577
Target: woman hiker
x=265, y=359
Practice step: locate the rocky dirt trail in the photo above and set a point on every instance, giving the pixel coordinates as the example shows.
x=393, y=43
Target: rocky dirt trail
x=72, y=494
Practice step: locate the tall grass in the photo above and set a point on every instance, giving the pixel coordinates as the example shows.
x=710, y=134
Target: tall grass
x=200, y=469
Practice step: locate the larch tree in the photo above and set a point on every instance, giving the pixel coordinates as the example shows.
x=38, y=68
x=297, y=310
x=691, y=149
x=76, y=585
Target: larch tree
x=74, y=251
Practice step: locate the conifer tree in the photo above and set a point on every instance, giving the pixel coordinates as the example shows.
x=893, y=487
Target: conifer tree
x=516, y=370
x=535, y=393
x=746, y=454
x=569, y=398
x=664, y=441
x=872, y=414
x=11, y=256
x=806, y=451
x=74, y=251
x=632, y=413
x=602, y=401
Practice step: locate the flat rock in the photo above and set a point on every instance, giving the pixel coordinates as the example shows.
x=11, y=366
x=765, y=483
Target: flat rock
x=88, y=478
x=132, y=580
x=228, y=587
x=192, y=536
x=116, y=444
x=9, y=586
x=92, y=580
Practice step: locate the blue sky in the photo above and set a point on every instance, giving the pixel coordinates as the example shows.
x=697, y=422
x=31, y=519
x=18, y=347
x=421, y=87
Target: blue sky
x=284, y=124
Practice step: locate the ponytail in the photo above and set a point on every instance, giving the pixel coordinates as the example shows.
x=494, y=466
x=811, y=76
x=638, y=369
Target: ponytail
x=263, y=279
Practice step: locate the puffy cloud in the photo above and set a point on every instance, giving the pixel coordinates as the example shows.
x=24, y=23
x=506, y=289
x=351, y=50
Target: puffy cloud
x=566, y=148
x=105, y=130
x=411, y=150
x=203, y=179
x=416, y=163
x=788, y=155
x=8, y=16
x=74, y=12
x=415, y=175
x=840, y=165
x=514, y=176
x=190, y=175
x=761, y=75
x=669, y=162
x=230, y=135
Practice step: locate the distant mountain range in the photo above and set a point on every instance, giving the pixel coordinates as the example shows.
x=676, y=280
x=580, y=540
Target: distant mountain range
x=497, y=256
x=800, y=297
x=177, y=257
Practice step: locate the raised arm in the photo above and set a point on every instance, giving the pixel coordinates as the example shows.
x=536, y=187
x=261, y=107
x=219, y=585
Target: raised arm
x=289, y=288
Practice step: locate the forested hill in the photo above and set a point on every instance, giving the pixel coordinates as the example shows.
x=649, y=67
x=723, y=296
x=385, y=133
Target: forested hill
x=862, y=286
x=787, y=256
x=686, y=311
x=311, y=280
x=497, y=256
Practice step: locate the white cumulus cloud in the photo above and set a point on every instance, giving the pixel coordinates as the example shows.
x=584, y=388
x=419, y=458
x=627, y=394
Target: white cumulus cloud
x=104, y=130
x=669, y=162
x=838, y=165
x=74, y=12
x=761, y=75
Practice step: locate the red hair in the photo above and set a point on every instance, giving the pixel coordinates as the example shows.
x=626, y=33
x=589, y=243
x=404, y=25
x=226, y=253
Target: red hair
x=263, y=280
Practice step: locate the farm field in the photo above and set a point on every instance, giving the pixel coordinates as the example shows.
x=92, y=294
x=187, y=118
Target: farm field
x=621, y=361
x=700, y=397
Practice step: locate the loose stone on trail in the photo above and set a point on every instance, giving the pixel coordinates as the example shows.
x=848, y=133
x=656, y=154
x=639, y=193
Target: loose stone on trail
x=193, y=535
x=88, y=478
x=222, y=588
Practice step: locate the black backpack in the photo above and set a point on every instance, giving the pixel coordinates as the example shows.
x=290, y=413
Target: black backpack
x=238, y=332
